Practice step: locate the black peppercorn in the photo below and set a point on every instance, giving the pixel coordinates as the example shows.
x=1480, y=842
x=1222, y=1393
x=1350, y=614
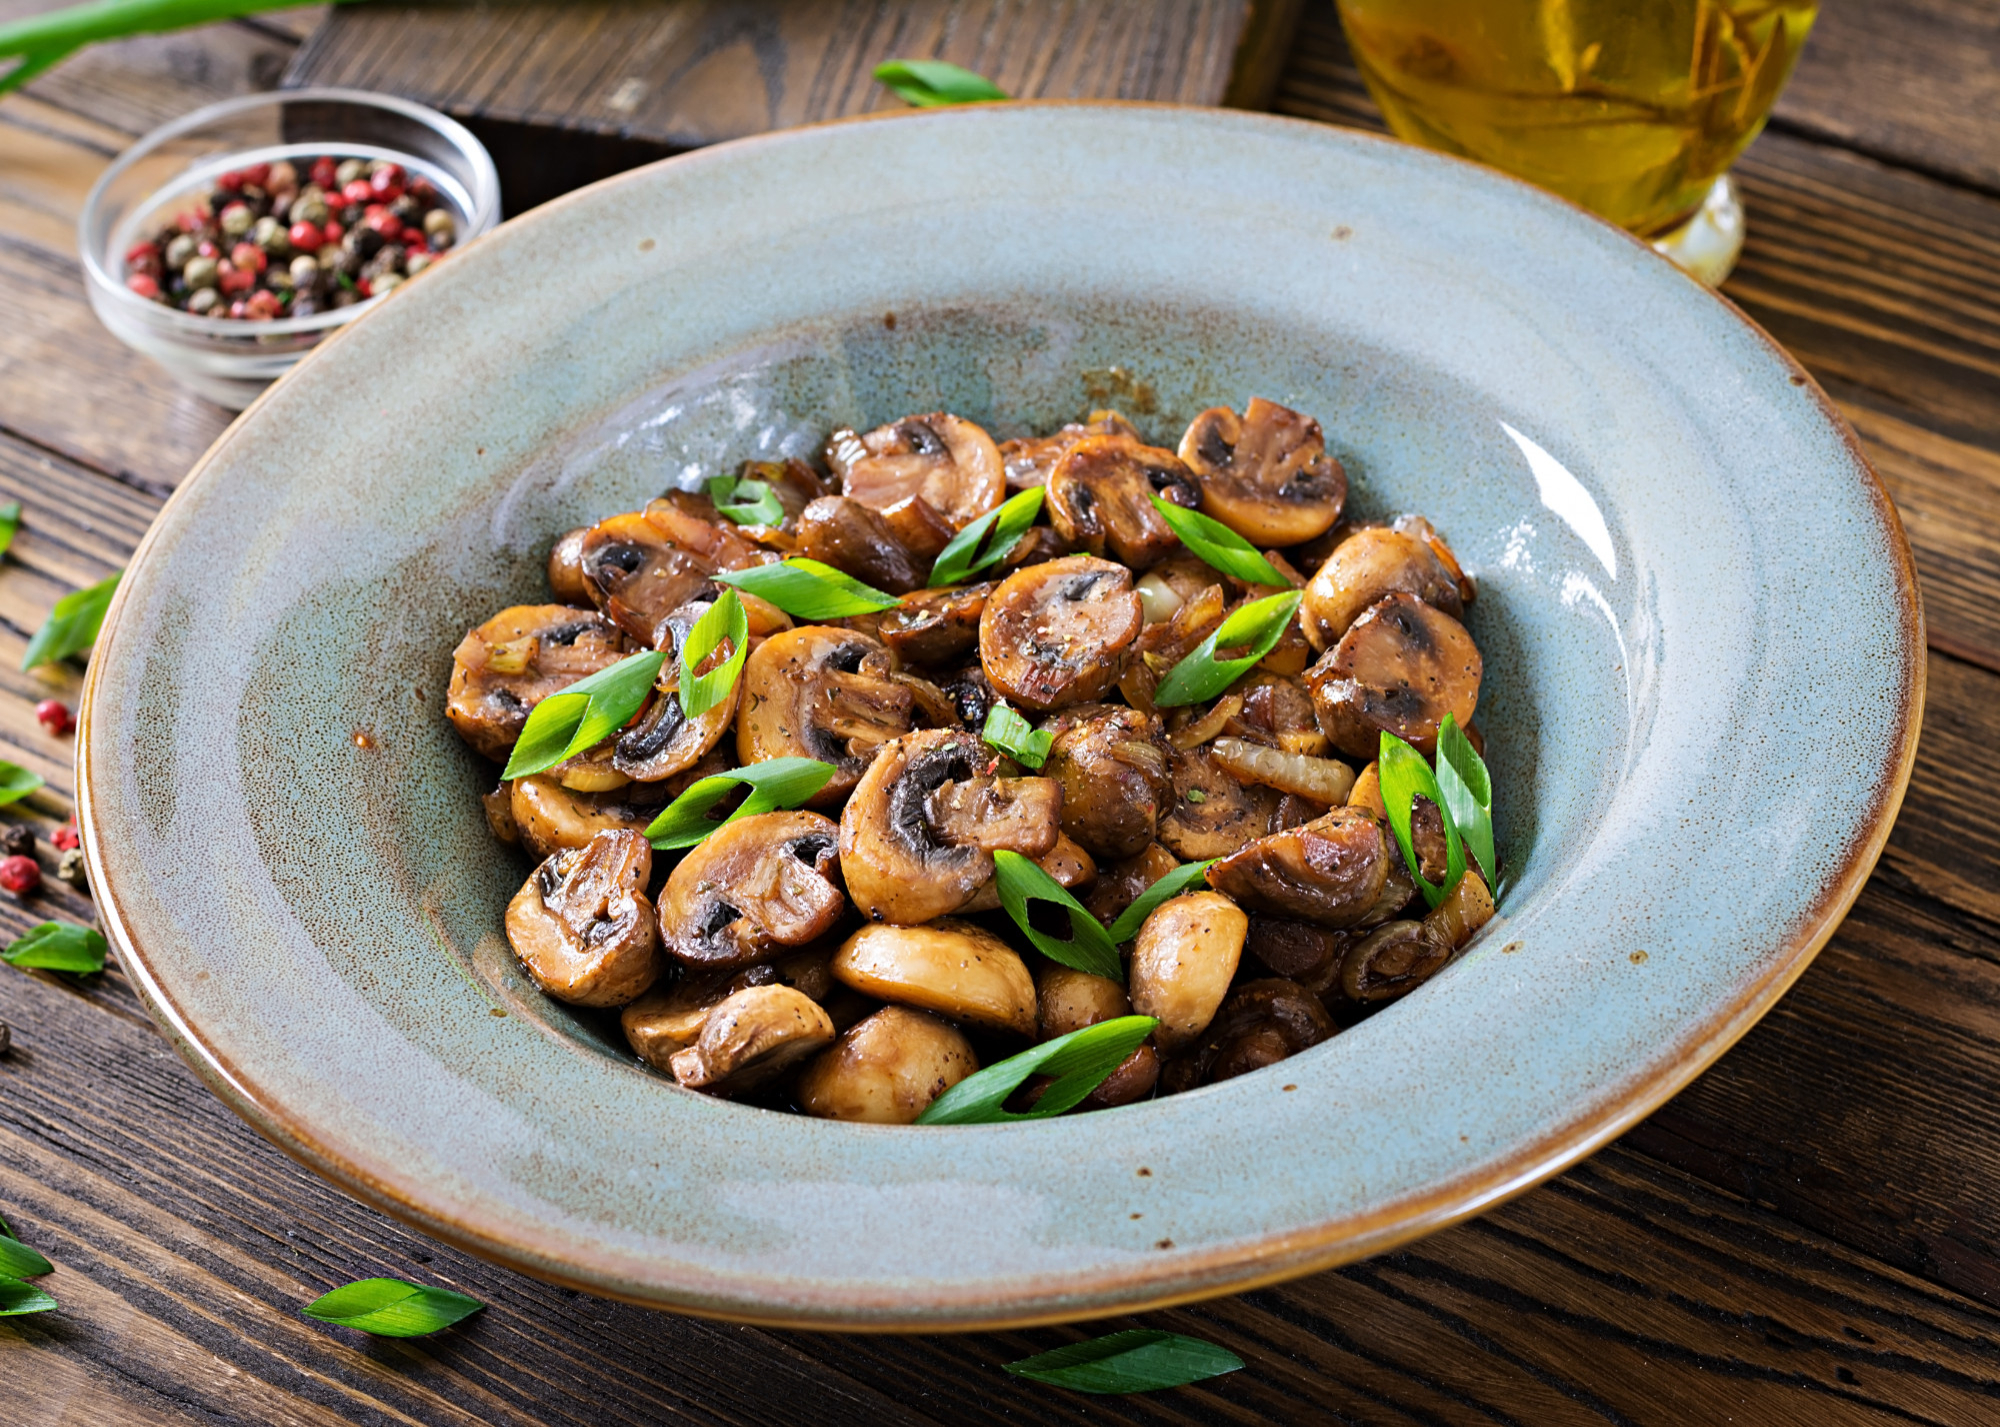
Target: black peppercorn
x=17, y=841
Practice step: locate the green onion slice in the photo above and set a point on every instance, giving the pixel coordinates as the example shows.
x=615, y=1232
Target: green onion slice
x=1078, y=1061
x=1468, y=793
x=1089, y=947
x=1259, y=624
x=391, y=1308
x=1404, y=775
x=1137, y=1360
x=933, y=83
x=58, y=946
x=722, y=620
x=10, y=521
x=1016, y=737
x=584, y=714
x=774, y=783
x=807, y=589
x=72, y=625
x=745, y=501
x=1220, y=546
x=16, y=782
x=1008, y=521
x=1172, y=885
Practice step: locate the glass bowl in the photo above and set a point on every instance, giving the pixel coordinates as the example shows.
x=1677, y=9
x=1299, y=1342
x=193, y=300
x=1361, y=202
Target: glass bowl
x=230, y=360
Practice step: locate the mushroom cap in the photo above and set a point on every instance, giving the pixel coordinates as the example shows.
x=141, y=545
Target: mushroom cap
x=582, y=926
x=1183, y=960
x=1330, y=871
x=642, y=566
x=886, y=1069
x=1112, y=766
x=936, y=627
x=513, y=661
x=1067, y=862
x=1400, y=668
x=959, y=970
x=1058, y=633
x=917, y=837
x=1304, y=952
x=669, y=1018
x=751, y=1038
x=825, y=693
x=1029, y=459
x=751, y=888
x=665, y=740
x=1393, y=960
x=947, y=461
x=1212, y=814
x=1120, y=885
x=550, y=818
x=856, y=538
x=1369, y=564
x=1100, y=498
x=1069, y=1000
x=1262, y=1023
x=1265, y=474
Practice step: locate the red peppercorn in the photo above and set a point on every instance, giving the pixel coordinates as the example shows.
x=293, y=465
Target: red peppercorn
x=388, y=176
x=332, y=232
x=358, y=192
x=324, y=170
x=231, y=278
x=422, y=188
x=146, y=287
x=231, y=182
x=140, y=251
x=365, y=287
x=21, y=875
x=305, y=237
x=263, y=305
x=66, y=839
x=207, y=249
x=388, y=225
x=258, y=175
x=248, y=257
x=54, y=715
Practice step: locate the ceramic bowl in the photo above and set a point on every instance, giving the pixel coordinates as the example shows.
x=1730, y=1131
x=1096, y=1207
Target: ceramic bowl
x=1703, y=682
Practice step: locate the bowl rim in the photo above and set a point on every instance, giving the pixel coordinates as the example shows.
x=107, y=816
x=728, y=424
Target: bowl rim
x=1244, y=1264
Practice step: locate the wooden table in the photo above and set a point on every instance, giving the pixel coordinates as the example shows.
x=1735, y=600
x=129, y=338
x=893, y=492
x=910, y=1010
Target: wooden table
x=1810, y=1234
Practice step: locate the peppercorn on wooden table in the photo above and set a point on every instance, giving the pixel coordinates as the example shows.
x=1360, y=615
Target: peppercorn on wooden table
x=1809, y=1234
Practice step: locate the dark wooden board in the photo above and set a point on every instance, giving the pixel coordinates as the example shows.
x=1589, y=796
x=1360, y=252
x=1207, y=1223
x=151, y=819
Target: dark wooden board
x=563, y=93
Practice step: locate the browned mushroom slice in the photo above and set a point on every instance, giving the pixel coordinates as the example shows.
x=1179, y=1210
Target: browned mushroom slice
x=1183, y=960
x=1029, y=459
x=853, y=537
x=1100, y=498
x=516, y=659
x=887, y=1069
x=1393, y=960
x=566, y=580
x=551, y=818
x=642, y=567
x=1262, y=1023
x=665, y=740
x=1122, y=883
x=795, y=484
x=1278, y=713
x=1416, y=525
x=752, y=888
x=752, y=1038
x=935, y=626
x=825, y=693
x=948, y=461
x=1038, y=545
x=1057, y=633
x=1400, y=668
x=582, y=926
x=669, y=1018
x=1265, y=474
x=1212, y=815
x=1112, y=766
x=1330, y=871
x=954, y=968
x=971, y=693
x=1299, y=951
x=917, y=837
x=1372, y=563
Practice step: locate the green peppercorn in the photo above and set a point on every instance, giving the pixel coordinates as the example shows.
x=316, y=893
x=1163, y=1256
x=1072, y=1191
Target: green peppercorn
x=388, y=282
x=200, y=272
x=270, y=235
x=305, y=270
x=416, y=263
x=236, y=220
x=349, y=170
x=179, y=251
x=439, y=227
x=205, y=300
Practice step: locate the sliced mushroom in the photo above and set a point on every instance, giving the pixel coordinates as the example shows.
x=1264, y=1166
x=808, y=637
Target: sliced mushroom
x=917, y=837
x=566, y=580
x=1111, y=764
x=590, y=771
x=948, y=461
x=1182, y=963
x=1329, y=871
x=506, y=666
x=642, y=567
x=856, y=538
x=1299, y=951
x=1401, y=667
x=1057, y=633
x=919, y=529
x=751, y=888
x=1100, y=498
x=1029, y=459
x=582, y=926
x=551, y=818
x=1372, y=563
x=1265, y=474
x=1262, y=1023
x=1067, y=862
x=668, y=1019
x=1038, y=545
x=935, y=627
x=752, y=1038
x=1278, y=713
x=1123, y=883
x=499, y=808
x=1392, y=961
x=971, y=694
x=1212, y=815
x=665, y=740
x=887, y=1069
x=1416, y=525
x=795, y=484
x=1367, y=792
x=954, y=968
x=819, y=692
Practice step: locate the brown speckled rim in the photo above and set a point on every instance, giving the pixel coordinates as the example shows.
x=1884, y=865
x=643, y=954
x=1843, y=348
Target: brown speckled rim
x=1172, y=1279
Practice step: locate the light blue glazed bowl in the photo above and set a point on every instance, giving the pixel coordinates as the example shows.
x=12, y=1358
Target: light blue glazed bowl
x=1703, y=681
